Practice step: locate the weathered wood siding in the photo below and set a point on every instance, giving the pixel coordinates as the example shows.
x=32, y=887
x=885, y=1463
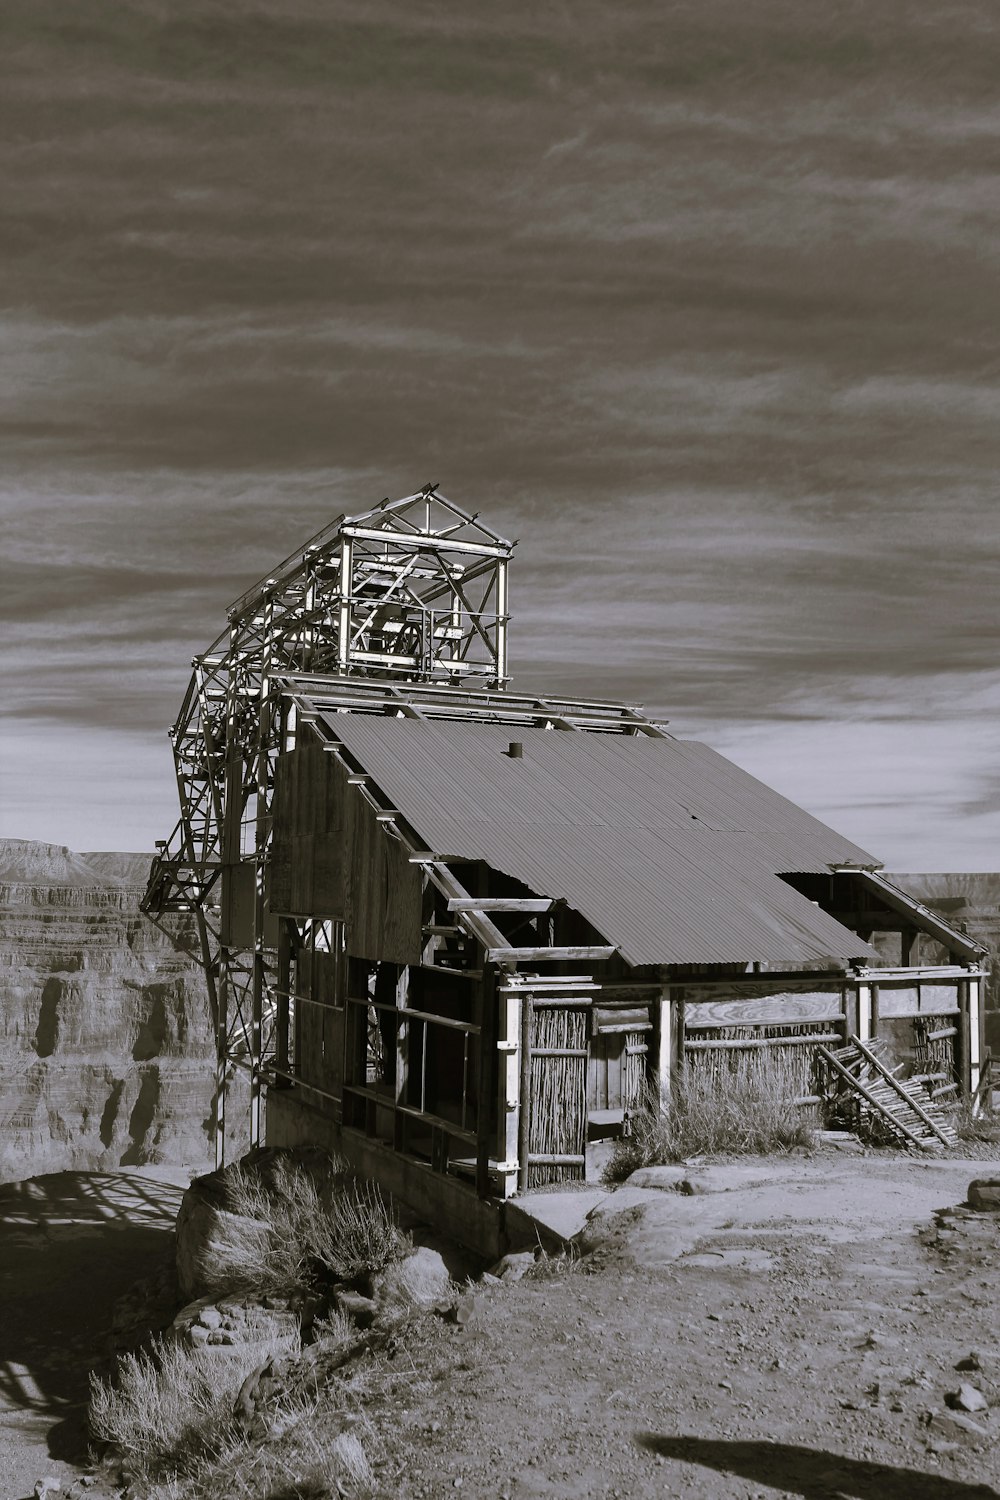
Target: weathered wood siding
x=331, y=858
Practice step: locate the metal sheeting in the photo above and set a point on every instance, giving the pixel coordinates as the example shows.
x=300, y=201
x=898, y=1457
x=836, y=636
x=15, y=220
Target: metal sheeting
x=670, y=851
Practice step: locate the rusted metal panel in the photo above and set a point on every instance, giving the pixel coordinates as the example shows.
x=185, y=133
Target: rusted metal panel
x=670, y=852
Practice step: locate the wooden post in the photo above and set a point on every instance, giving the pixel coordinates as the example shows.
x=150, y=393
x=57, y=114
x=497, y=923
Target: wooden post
x=508, y=1094
x=864, y=992
x=665, y=1045
x=964, y=1041
x=486, y=1052
x=873, y=1011
x=977, y=1032
x=524, y=1112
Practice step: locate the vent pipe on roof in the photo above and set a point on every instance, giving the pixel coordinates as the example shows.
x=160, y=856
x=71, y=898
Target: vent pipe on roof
x=515, y=750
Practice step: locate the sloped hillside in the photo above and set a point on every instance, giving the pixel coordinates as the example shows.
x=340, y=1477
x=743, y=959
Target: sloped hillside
x=106, y=1045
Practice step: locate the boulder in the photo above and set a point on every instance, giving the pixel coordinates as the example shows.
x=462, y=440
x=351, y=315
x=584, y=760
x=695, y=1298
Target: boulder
x=666, y=1178
x=513, y=1267
x=420, y=1280
x=967, y=1398
x=984, y=1193
x=199, y=1232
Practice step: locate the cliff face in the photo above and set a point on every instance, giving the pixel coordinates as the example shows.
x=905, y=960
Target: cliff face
x=106, y=1047
x=971, y=902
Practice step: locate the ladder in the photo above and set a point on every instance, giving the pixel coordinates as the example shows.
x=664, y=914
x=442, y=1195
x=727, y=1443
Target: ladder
x=902, y=1106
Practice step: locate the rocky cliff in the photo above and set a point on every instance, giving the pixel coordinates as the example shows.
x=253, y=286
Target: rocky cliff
x=971, y=902
x=106, y=1047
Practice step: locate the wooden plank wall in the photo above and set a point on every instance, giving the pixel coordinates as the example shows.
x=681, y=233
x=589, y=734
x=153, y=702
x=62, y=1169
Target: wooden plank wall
x=331, y=858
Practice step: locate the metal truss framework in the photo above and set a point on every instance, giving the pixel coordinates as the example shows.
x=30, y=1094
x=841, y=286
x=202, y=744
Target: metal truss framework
x=411, y=592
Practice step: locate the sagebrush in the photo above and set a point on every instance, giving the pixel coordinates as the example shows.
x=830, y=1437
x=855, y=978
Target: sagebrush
x=300, y=1228
x=739, y=1103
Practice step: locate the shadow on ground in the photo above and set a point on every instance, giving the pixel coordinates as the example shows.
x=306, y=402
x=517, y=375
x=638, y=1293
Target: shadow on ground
x=70, y=1245
x=812, y=1473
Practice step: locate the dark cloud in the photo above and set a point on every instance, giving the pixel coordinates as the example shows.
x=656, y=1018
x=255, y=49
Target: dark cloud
x=700, y=303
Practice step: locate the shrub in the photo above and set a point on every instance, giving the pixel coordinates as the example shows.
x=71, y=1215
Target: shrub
x=741, y=1103
x=299, y=1228
x=168, y=1409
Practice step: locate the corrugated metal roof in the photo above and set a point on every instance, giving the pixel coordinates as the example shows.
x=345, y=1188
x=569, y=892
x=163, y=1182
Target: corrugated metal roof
x=671, y=852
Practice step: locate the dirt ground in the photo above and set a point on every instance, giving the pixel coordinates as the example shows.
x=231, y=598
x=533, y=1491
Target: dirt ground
x=71, y=1244
x=786, y=1333
x=786, y=1336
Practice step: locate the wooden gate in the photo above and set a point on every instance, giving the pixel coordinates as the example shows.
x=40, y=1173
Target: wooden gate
x=557, y=1075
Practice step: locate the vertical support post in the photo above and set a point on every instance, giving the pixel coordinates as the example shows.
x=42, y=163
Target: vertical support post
x=486, y=1051
x=906, y=938
x=864, y=1030
x=524, y=1114
x=977, y=1031
x=873, y=1011
x=501, y=632
x=284, y=971
x=346, y=590
x=508, y=1086
x=666, y=1047
x=221, y=1053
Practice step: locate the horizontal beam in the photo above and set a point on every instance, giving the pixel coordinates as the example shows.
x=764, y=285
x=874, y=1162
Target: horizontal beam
x=424, y=542
x=501, y=903
x=547, y=955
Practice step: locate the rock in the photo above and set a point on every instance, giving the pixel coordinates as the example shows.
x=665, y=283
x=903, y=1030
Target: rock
x=694, y=1186
x=967, y=1398
x=984, y=1193
x=361, y=1310
x=210, y=1317
x=466, y=1309
x=972, y=1361
x=250, y=1327
x=840, y=1140
x=419, y=1280
x=666, y=1178
x=201, y=1221
x=952, y=1426
x=47, y=1486
x=513, y=1267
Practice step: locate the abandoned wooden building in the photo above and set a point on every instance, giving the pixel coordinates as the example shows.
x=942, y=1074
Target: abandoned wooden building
x=458, y=932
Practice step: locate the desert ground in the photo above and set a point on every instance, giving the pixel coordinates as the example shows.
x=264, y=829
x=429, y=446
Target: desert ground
x=793, y=1327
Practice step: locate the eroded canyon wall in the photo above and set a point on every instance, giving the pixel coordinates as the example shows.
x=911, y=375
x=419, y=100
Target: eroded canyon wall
x=971, y=902
x=106, y=1047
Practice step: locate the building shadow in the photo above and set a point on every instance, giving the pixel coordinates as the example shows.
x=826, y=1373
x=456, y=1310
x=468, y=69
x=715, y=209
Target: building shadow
x=71, y=1245
x=812, y=1473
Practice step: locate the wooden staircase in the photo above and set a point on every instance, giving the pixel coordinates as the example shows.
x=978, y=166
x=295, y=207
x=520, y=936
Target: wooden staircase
x=904, y=1107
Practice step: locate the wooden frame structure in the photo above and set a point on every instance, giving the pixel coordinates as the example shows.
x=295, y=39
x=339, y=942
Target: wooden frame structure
x=414, y=590
x=433, y=1012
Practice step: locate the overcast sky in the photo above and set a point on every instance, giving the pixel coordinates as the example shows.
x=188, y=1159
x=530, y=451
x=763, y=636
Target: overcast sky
x=697, y=300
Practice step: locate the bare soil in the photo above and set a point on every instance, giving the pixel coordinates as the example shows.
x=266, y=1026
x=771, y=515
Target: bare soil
x=792, y=1332
x=796, y=1347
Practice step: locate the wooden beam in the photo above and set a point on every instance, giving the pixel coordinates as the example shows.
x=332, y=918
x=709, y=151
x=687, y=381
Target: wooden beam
x=500, y=903
x=547, y=955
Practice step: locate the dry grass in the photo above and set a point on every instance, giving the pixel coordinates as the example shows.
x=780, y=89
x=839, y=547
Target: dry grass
x=299, y=1229
x=739, y=1104
x=978, y=1135
x=168, y=1409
